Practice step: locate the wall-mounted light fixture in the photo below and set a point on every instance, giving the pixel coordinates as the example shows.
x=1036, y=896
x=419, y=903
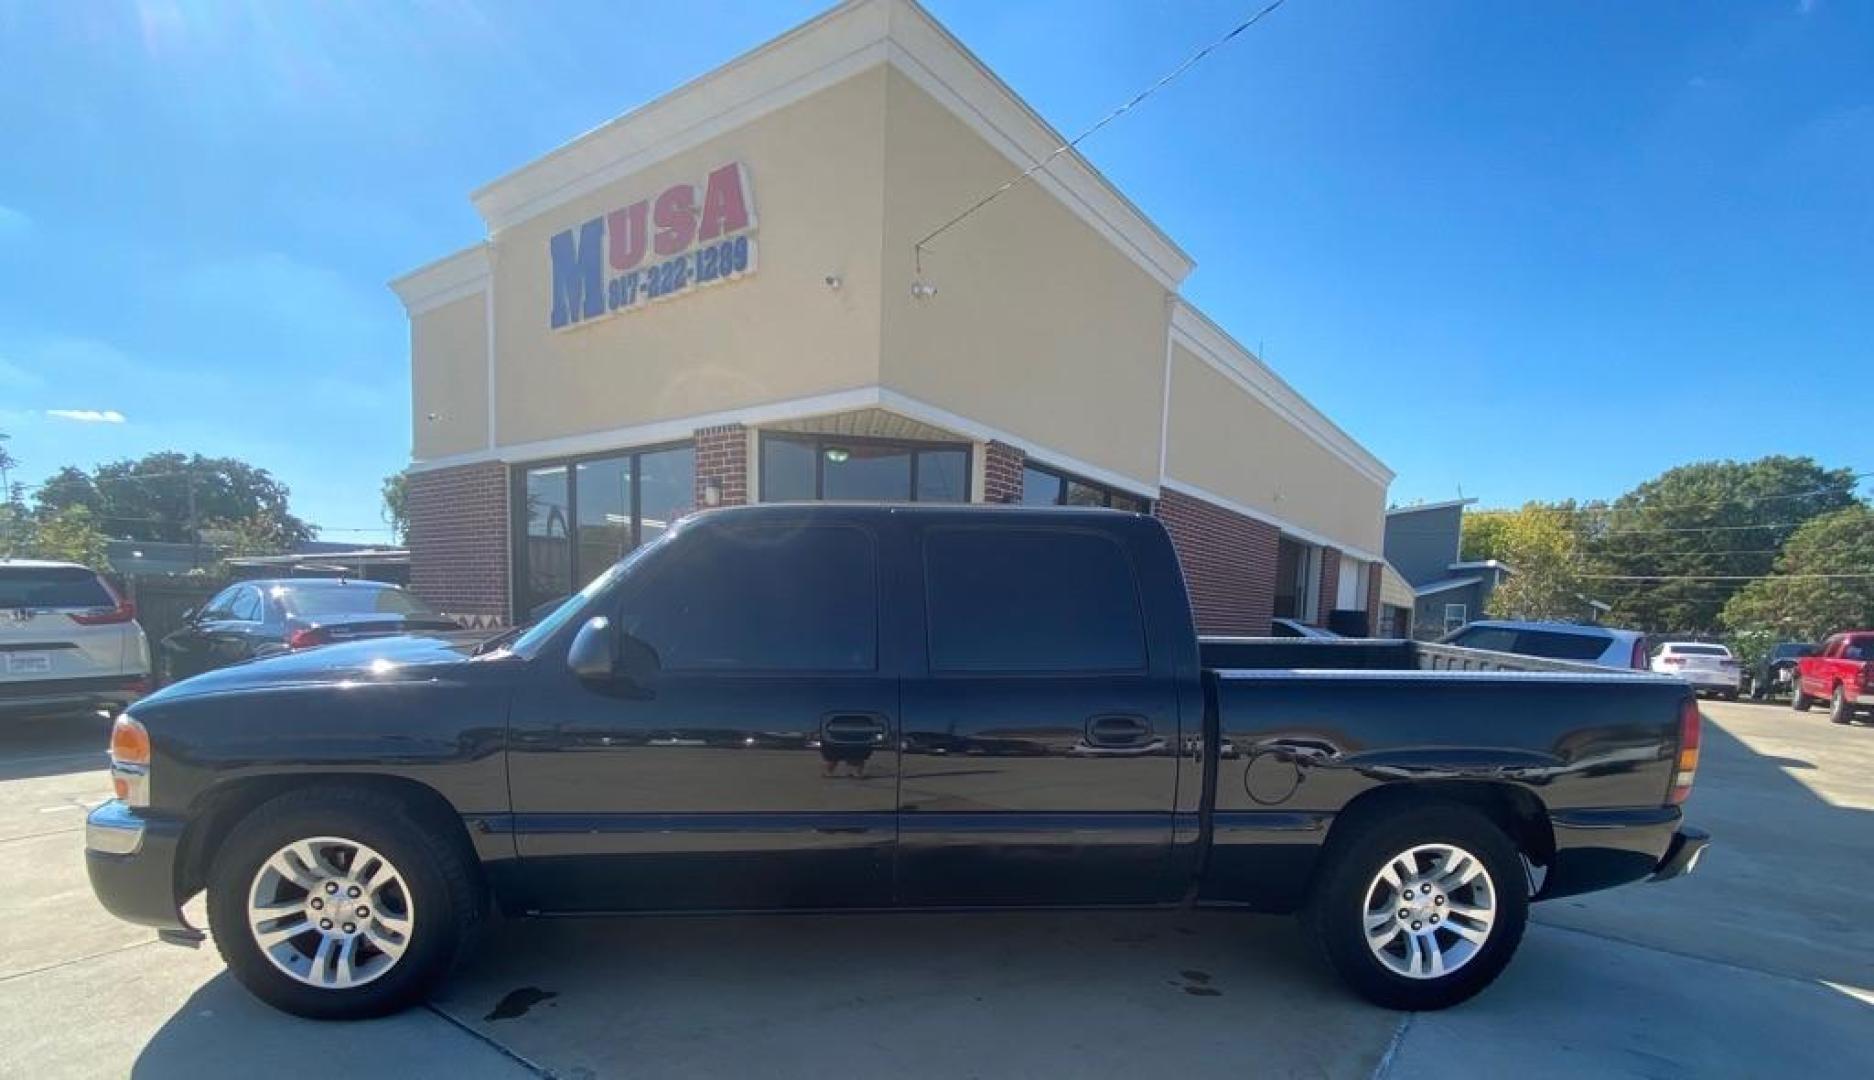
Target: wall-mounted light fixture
x=922, y=290
x=838, y=455
x=712, y=493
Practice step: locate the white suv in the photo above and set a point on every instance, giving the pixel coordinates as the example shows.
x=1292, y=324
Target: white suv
x=1711, y=669
x=68, y=641
x=1600, y=645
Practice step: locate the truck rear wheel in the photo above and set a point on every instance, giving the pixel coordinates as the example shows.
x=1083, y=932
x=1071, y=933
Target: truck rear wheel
x=1839, y=711
x=1421, y=909
x=1797, y=699
x=334, y=903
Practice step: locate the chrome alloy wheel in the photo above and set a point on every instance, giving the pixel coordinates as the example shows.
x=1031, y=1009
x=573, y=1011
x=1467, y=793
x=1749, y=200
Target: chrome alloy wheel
x=1429, y=911
x=330, y=912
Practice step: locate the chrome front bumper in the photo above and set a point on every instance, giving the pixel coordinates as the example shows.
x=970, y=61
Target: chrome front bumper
x=114, y=829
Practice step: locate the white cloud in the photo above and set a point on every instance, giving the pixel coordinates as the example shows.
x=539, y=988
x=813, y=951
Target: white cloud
x=88, y=416
x=13, y=221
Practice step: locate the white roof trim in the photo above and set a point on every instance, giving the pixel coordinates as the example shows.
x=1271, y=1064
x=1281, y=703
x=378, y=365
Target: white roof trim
x=1416, y=507
x=1212, y=344
x=851, y=38
x=1482, y=564
x=1444, y=586
x=452, y=277
x=1299, y=532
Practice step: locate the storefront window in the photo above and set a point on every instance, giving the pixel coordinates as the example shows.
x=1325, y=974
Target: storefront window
x=1297, y=580
x=548, y=549
x=803, y=468
x=617, y=502
x=1045, y=487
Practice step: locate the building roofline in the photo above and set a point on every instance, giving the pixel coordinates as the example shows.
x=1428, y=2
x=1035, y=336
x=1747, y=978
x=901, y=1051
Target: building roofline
x=850, y=38
x=1416, y=507
x=1446, y=585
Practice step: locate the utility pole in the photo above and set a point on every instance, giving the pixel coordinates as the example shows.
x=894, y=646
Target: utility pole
x=195, y=527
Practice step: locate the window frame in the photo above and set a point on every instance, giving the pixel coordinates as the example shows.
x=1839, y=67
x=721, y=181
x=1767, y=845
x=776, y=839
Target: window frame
x=1464, y=617
x=914, y=448
x=517, y=513
x=1064, y=478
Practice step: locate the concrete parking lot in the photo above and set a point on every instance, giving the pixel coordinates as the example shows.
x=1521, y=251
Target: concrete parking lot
x=1761, y=963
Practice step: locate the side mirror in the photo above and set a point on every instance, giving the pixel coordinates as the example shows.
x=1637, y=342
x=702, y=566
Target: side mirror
x=591, y=655
x=637, y=661
x=190, y=613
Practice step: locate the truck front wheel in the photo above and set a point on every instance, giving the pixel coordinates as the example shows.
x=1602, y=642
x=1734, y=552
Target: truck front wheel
x=1420, y=909
x=335, y=903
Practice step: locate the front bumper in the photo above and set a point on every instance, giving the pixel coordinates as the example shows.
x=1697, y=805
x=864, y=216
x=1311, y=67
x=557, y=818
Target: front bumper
x=47, y=696
x=130, y=857
x=1682, y=856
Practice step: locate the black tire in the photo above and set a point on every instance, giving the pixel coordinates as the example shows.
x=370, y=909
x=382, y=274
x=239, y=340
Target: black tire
x=445, y=893
x=1797, y=699
x=1336, y=912
x=1839, y=711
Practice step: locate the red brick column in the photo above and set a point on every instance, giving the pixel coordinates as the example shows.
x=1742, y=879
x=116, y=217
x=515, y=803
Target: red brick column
x=459, y=540
x=1373, y=576
x=722, y=460
x=1330, y=584
x=1228, y=562
x=1002, y=473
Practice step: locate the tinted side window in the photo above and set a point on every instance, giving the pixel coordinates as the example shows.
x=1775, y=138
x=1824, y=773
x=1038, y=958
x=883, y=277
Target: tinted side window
x=246, y=606
x=1555, y=645
x=782, y=599
x=1494, y=638
x=51, y=587
x=1030, y=600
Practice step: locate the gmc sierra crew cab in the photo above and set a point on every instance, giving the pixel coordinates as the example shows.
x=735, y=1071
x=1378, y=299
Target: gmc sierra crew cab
x=830, y=707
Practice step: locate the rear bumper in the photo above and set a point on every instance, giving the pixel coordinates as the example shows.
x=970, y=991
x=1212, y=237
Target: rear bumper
x=1713, y=680
x=1682, y=856
x=131, y=860
x=1601, y=848
x=40, y=696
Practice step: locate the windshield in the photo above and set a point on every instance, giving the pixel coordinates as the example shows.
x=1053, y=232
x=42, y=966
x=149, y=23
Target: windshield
x=528, y=644
x=324, y=601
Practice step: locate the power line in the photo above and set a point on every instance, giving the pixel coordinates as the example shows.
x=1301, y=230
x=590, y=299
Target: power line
x=917, y=249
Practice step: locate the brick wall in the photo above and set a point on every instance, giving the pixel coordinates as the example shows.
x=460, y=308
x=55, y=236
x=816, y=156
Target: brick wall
x=1002, y=473
x=722, y=459
x=1228, y=561
x=1372, y=597
x=1330, y=584
x=458, y=540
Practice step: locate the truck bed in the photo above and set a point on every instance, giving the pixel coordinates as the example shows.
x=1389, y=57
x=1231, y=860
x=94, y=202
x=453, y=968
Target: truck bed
x=1307, y=729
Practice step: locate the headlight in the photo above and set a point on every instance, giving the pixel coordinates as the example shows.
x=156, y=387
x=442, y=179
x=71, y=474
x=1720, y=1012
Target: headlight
x=130, y=761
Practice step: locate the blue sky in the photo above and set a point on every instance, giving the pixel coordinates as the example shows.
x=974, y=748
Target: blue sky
x=1534, y=251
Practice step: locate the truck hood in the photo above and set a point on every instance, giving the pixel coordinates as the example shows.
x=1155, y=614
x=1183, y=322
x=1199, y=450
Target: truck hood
x=382, y=659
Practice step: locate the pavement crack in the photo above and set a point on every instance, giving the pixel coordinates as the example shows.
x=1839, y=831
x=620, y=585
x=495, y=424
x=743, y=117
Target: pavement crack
x=1384, y=1065
x=37, y=835
x=77, y=960
x=1790, y=976
x=491, y=1042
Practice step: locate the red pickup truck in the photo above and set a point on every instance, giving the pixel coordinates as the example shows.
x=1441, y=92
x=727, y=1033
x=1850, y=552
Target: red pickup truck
x=1840, y=673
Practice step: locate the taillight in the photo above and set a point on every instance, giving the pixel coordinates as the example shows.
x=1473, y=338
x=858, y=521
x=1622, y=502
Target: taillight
x=1686, y=769
x=130, y=761
x=124, y=612
x=308, y=636
x=1672, y=661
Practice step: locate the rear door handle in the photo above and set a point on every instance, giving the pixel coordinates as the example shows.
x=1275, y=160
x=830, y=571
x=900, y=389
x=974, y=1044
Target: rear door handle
x=853, y=729
x=1118, y=731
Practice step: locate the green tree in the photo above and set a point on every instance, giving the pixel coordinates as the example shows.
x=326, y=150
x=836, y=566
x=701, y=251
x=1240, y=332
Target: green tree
x=1542, y=544
x=166, y=496
x=394, y=507
x=1795, y=603
x=69, y=535
x=1658, y=546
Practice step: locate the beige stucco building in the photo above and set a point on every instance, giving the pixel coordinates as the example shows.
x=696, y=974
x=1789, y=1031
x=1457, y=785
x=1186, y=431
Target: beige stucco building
x=718, y=297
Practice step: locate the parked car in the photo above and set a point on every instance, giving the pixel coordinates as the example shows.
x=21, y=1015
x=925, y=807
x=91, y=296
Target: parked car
x=1598, y=645
x=1840, y=673
x=1711, y=669
x=267, y=617
x=405, y=785
x=1777, y=670
x=1295, y=628
x=69, y=641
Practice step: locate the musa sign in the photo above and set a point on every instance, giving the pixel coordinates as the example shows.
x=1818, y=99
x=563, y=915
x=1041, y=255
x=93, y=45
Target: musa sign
x=654, y=248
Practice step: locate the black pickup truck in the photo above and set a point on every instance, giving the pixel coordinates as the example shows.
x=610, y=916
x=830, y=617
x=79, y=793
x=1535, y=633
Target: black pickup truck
x=862, y=707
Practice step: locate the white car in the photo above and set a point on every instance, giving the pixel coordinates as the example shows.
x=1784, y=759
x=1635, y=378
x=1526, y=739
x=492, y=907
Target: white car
x=1711, y=669
x=68, y=642
x=1581, y=642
